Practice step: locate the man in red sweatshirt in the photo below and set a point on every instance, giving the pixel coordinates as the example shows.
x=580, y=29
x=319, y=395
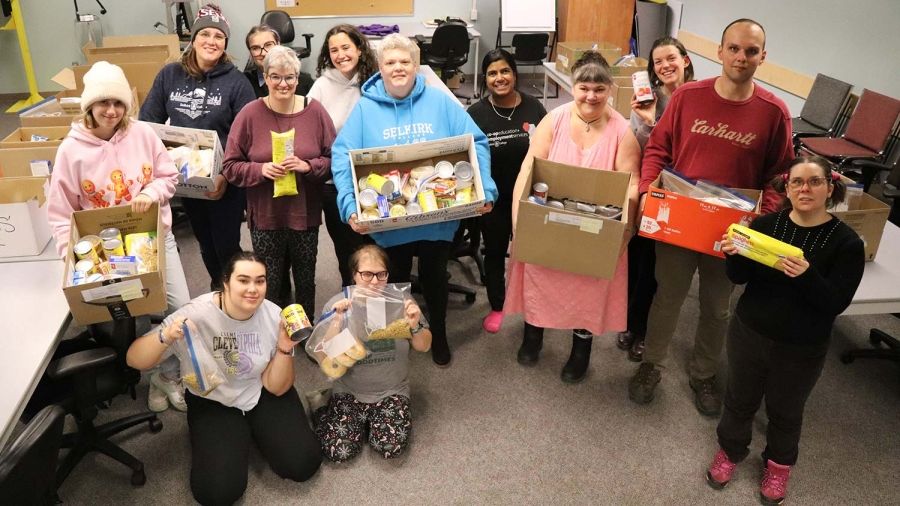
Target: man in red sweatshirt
x=730, y=131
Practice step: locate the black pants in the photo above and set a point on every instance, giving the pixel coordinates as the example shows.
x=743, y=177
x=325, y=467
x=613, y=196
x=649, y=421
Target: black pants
x=289, y=254
x=345, y=240
x=433, y=257
x=784, y=374
x=496, y=229
x=217, y=226
x=641, y=282
x=221, y=437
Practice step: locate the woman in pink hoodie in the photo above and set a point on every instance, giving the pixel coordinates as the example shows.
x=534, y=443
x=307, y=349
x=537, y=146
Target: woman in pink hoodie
x=107, y=160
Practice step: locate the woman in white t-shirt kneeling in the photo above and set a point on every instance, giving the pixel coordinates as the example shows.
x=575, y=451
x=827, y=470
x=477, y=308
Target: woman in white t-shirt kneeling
x=257, y=401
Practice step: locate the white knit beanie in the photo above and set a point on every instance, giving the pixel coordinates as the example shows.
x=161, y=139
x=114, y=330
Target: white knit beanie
x=105, y=81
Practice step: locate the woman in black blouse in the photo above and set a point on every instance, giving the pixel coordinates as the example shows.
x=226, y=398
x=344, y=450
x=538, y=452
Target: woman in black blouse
x=778, y=338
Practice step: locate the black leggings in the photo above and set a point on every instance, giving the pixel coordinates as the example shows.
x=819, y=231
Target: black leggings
x=345, y=240
x=221, y=437
x=641, y=282
x=217, y=227
x=433, y=257
x=496, y=229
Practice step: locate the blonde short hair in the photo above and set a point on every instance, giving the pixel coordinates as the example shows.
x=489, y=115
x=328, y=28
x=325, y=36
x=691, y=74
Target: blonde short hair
x=397, y=41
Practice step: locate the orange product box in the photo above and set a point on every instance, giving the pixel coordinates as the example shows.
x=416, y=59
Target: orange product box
x=689, y=223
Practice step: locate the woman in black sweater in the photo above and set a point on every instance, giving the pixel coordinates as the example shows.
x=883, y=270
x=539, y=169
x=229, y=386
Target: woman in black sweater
x=778, y=338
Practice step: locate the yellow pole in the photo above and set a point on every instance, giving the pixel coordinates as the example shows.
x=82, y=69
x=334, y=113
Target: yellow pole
x=19, y=26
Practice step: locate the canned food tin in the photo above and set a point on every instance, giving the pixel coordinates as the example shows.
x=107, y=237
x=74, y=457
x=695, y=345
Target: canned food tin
x=555, y=203
x=296, y=323
x=398, y=210
x=539, y=192
x=113, y=247
x=380, y=184
x=368, y=198
x=85, y=267
x=86, y=250
x=464, y=171
x=363, y=184
x=110, y=233
x=427, y=201
x=585, y=207
x=370, y=214
x=444, y=169
x=413, y=208
x=643, y=93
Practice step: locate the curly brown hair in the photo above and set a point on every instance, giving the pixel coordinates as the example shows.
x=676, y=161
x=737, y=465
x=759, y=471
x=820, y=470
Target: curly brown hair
x=368, y=62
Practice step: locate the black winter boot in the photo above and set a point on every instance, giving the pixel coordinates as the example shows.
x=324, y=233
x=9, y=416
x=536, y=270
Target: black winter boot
x=577, y=365
x=532, y=342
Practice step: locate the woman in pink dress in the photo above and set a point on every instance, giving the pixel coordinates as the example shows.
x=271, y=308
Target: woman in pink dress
x=588, y=133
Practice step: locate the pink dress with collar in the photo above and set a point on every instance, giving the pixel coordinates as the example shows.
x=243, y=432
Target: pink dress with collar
x=555, y=299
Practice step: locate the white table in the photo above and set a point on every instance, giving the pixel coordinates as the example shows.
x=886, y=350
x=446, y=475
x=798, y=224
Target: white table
x=879, y=291
x=35, y=315
x=551, y=73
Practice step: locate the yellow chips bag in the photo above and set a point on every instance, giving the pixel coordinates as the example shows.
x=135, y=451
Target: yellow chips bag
x=283, y=147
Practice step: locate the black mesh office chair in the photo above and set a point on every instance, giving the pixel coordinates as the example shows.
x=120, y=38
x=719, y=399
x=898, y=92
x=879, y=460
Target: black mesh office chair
x=531, y=50
x=822, y=110
x=27, y=467
x=281, y=22
x=96, y=376
x=447, y=51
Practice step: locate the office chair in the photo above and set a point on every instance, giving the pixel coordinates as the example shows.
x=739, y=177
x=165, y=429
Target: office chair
x=867, y=134
x=866, y=171
x=31, y=459
x=467, y=243
x=281, y=22
x=97, y=376
x=531, y=49
x=876, y=337
x=822, y=111
x=448, y=50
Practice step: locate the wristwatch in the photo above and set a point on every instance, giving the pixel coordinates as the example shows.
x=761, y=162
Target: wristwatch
x=419, y=328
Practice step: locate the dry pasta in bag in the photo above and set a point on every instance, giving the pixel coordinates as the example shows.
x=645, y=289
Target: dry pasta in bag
x=333, y=345
x=380, y=313
x=283, y=147
x=199, y=370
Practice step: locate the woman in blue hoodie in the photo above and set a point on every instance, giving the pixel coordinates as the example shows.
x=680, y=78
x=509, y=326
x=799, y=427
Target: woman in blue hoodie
x=205, y=90
x=397, y=108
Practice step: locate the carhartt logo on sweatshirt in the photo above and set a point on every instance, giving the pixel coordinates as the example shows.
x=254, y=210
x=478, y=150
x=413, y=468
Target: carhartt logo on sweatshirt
x=721, y=131
x=413, y=133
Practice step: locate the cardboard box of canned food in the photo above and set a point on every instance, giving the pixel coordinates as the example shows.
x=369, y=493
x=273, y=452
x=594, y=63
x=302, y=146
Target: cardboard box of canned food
x=690, y=223
x=404, y=159
x=867, y=216
x=194, y=187
x=568, y=240
x=24, y=229
x=109, y=299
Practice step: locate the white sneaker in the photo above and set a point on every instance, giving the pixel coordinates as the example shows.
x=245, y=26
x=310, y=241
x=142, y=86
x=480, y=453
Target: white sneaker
x=172, y=390
x=156, y=399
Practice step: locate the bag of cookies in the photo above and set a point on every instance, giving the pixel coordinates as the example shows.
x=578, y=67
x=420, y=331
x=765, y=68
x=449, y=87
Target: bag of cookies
x=333, y=345
x=200, y=372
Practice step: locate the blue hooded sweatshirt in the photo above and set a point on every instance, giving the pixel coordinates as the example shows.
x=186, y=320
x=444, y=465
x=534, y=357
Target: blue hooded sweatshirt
x=379, y=119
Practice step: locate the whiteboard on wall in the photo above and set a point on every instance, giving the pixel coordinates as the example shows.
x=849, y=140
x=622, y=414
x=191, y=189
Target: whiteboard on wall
x=528, y=15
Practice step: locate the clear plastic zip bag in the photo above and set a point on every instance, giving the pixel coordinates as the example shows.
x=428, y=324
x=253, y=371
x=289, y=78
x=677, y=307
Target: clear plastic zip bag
x=200, y=371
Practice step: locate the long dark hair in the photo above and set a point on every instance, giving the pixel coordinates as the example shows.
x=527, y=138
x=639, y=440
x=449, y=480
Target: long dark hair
x=669, y=41
x=495, y=55
x=368, y=62
x=839, y=187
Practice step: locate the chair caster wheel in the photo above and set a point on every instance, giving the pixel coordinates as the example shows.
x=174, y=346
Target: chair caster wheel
x=470, y=298
x=847, y=358
x=138, y=478
x=155, y=425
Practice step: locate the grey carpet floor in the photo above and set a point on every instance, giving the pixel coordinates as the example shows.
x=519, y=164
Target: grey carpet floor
x=489, y=431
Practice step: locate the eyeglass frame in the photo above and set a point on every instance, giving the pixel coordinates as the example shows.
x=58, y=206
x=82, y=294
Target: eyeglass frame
x=369, y=275
x=294, y=79
x=265, y=47
x=797, y=183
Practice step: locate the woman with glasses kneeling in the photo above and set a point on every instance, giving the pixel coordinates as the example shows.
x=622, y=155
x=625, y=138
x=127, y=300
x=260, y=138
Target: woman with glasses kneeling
x=778, y=337
x=374, y=393
x=284, y=225
x=257, y=401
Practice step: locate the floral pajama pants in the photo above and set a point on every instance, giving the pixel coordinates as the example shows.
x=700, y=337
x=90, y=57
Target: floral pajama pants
x=341, y=426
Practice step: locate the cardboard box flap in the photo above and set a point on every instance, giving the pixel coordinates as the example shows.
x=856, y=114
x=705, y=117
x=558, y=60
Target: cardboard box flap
x=140, y=75
x=594, y=187
x=28, y=161
x=22, y=189
x=127, y=221
x=413, y=152
x=65, y=78
x=127, y=54
x=179, y=136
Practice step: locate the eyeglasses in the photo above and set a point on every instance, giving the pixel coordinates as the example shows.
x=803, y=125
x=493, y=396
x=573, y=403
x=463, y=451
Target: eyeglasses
x=288, y=80
x=814, y=182
x=265, y=48
x=368, y=275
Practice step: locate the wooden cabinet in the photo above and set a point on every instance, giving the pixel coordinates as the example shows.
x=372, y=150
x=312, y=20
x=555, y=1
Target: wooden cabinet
x=601, y=20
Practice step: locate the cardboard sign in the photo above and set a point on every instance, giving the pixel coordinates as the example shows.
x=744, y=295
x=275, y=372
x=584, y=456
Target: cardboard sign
x=24, y=228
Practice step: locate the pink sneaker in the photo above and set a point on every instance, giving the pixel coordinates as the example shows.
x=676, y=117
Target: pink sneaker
x=720, y=471
x=492, y=321
x=773, y=487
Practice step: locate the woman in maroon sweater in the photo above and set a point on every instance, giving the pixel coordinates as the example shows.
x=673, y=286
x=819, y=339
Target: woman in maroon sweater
x=285, y=229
